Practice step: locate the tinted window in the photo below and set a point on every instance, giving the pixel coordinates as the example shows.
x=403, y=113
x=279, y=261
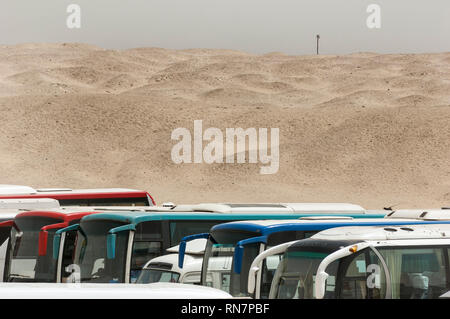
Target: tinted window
x=127, y=201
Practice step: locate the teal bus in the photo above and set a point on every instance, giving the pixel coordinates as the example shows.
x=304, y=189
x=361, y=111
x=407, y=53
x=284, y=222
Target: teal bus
x=112, y=247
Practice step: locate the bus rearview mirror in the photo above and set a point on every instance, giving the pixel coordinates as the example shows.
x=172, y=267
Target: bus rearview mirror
x=183, y=243
x=239, y=250
x=320, y=283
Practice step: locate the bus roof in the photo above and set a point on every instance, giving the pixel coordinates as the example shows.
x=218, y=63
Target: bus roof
x=138, y=215
x=65, y=215
x=330, y=208
x=18, y=191
x=27, y=190
x=266, y=227
x=428, y=231
x=423, y=214
x=29, y=203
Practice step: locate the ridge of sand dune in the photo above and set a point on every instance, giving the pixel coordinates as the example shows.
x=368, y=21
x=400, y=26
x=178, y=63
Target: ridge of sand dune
x=366, y=128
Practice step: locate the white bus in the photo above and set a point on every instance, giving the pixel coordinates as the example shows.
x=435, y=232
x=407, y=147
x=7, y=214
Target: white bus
x=399, y=262
x=165, y=268
x=231, y=248
x=81, y=197
x=106, y=291
x=117, y=244
x=9, y=208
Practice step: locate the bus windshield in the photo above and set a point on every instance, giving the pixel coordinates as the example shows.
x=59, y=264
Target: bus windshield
x=91, y=254
x=217, y=268
x=24, y=263
x=296, y=274
x=416, y=272
x=157, y=275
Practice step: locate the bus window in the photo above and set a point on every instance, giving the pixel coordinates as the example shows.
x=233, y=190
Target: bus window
x=148, y=231
x=270, y=265
x=68, y=251
x=24, y=262
x=126, y=201
x=354, y=281
x=183, y=228
x=143, y=251
x=416, y=273
x=90, y=253
x=156, y=275
x=295, y=276
x=363, y=277
x=192, y=278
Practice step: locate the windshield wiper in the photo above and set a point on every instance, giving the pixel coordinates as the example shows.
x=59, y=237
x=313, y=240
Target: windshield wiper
x=18, y=276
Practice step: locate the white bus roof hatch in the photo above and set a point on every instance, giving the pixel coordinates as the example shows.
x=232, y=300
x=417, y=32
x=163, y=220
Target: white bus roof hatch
x=29, y=203
x=16, y=190
x=423, y=214
x=385, y=232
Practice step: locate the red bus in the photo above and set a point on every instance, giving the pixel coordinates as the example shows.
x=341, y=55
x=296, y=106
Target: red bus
x=81, y=197
x=28, y=252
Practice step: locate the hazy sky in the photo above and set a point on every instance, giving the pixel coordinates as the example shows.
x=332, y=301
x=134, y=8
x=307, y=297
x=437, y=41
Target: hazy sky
x=256, y=26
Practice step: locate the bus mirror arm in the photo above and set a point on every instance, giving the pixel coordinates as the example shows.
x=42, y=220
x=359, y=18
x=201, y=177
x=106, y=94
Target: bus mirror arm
x=321, y=278
x=239, y=251
x=257, y=262
x=57, y=237
x=111, y=239
x=322, y=275
x=183, y=243
x=43, y=237
x=9, y=223
x=6, y=232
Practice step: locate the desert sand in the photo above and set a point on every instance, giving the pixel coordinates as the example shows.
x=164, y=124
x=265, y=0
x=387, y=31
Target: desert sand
x=371, y=129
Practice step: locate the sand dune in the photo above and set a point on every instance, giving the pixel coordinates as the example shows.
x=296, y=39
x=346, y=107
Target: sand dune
x=365, y=128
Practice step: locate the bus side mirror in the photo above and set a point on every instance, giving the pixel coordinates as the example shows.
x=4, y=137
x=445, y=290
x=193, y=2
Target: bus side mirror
x=111, y=246
x=238, y=256
x=5, y=230
x=112, y=237
x=320, y=283
x=183, y=243
x=43, y=237
x=42, y=243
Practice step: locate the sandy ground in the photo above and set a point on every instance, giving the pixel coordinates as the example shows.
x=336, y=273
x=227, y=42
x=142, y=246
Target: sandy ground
x=364, y=128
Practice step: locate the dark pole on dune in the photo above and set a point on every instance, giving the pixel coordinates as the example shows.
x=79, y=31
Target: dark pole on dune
x=317, y=46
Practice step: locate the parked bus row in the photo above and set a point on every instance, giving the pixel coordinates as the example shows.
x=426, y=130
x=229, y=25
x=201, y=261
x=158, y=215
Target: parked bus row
x=243, y=258
x=240, y=249
x=111, y=244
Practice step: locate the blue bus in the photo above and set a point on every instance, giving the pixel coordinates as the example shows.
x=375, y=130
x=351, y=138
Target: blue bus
x=113, y=246
x=232, y=247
